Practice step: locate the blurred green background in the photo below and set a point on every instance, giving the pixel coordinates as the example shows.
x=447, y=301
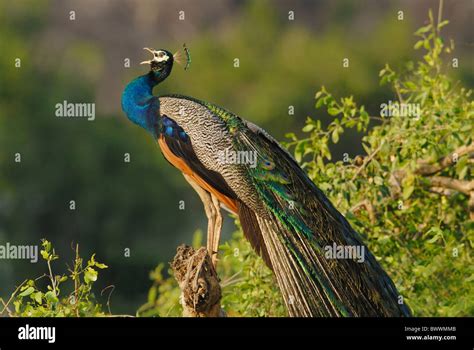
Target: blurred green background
x=135, y=205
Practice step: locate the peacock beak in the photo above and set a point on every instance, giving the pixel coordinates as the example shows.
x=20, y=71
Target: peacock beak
x=152, y=52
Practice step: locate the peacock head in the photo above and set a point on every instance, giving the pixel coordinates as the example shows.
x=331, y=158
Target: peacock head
x=161, y=63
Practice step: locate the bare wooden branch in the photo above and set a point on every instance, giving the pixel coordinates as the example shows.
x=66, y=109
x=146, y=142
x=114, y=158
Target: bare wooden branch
x=458, y=185
x=442, y=191
x=442, y=185
x=425, y=168
x=199, y=283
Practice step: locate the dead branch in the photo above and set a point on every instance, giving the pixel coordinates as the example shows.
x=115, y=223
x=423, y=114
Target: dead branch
x=425, y=168
x=442, y=191
x=458, y=185
x=442, y=185
x=199, y=283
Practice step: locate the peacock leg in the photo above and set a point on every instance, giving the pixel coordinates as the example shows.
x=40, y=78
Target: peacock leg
x=217, y=229
x=214, y=218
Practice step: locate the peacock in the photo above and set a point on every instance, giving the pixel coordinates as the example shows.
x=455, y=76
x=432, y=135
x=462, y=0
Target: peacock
x=286, y=218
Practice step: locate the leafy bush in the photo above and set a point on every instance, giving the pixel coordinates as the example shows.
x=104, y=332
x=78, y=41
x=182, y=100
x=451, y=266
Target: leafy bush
x=32, y=301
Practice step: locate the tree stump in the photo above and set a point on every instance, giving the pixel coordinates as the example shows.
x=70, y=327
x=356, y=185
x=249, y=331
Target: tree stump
x=198, y=281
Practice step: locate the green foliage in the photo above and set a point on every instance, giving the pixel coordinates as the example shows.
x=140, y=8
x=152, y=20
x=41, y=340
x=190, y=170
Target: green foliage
x=29, y=299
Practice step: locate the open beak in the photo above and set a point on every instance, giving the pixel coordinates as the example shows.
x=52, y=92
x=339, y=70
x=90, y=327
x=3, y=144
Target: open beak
x=152, y=52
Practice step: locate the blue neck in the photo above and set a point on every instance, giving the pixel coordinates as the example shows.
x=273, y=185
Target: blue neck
x=139, y=104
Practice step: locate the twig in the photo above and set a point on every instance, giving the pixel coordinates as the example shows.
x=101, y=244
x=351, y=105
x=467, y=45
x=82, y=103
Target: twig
x=51, y=277
x=367, y=160
x=440, y=15
x=11, y=298
x=112, y=288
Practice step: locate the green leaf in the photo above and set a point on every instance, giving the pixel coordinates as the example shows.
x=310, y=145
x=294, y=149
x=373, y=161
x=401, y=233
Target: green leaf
x=407, y=191
x=423, y=30
x=299, y=151
x=418, y=44
x=63, y=278
x=443, y=23
x=333, y=111
x=44, y=254
x=308, y=127
x=100, y=265
x=51, y=297
x=38, y=297
x=320, y=102
x=90, y=275
x=335, y=136
x=27, y=292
